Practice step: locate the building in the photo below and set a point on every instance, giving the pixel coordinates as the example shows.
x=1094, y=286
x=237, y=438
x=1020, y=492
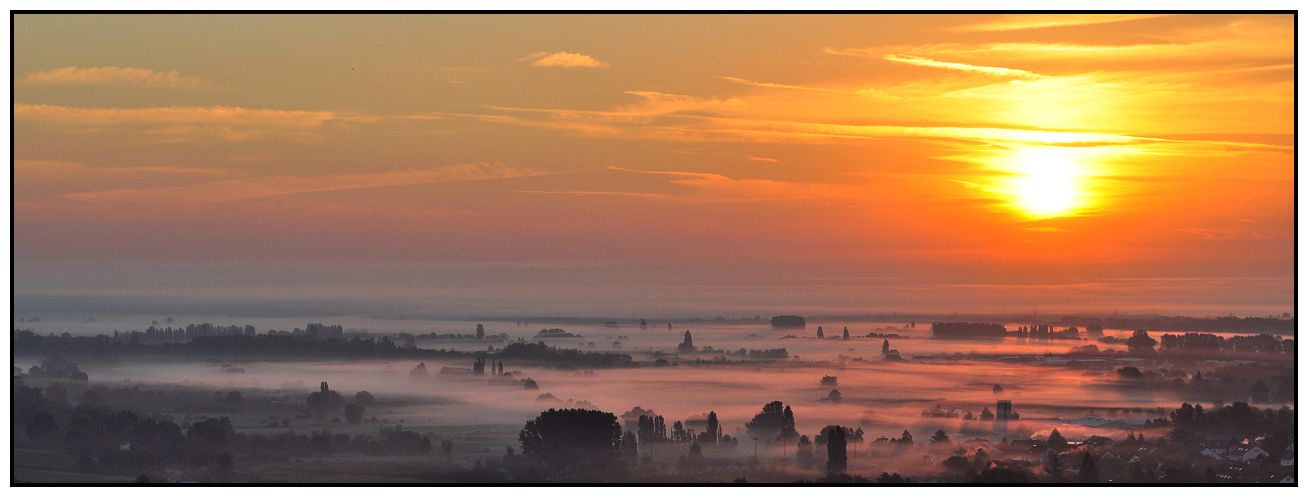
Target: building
x=1003, y=410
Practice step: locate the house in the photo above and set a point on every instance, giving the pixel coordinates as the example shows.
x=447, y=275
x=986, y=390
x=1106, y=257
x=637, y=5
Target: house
x=1213, y=453
x=1246, y=453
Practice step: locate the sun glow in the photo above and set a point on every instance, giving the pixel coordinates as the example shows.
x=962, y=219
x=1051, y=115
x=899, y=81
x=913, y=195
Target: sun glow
x=1047, y=181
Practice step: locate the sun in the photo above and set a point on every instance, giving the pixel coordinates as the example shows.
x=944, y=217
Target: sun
x=1045, y=181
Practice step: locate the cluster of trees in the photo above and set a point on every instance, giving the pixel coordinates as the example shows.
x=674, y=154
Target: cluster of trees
x=573, y=440
x=788, y=322
x=1211, y=342
x=1179, y=323
x=967, y=330
x=57, y=367
x=1192, y=422
x=326, y=401
x=563, y=357
x=775, y=422
x=120, y=440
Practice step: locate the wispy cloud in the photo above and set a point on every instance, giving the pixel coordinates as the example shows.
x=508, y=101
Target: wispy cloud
x=281, y=185
x=181, y=123
x=1040, y=21
x=957, y=66
x=563, y=59
x=756, y=158
x=115, y=76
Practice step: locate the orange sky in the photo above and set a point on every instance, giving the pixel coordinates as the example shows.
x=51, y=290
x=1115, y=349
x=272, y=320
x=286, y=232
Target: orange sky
x=995, y=155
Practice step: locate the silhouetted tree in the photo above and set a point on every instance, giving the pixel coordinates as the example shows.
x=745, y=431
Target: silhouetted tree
x=713, y=430
x=324, y=400
x=819, y=332
x=1056, y=441
x=769, y=422
x=481, y=331
x=805, y=452
x=885, y=347
x=696, y=455
x=364, y=398
x=845, y=335
x=679, y=432
x=939, y=436
x=353, y=413
x=788, y=432
x=906, y=437
x=572, y=439
x=1055, y=467
x=1088, y=472
x=687, y=344
x=42, y=426
x=1141, y=342
x=630, y=448
x=836, y=456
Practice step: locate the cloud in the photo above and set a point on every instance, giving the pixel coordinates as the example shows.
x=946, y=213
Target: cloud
x=281, y=185
x=956, y=66
x=563, y=59
x=1039, y=21
x=115, y=76
x=756, y=158
x=171, y=124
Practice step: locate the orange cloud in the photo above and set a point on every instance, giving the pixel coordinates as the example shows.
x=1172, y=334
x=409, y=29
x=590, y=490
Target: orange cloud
x=181, y=123
x=563, y=59
x=1040, y=21
x=115, y=76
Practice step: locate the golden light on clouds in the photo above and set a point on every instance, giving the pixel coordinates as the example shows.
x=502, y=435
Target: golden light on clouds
x=865, y=139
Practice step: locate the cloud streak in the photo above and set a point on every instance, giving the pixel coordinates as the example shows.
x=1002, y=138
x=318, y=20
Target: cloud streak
x=957, y=66
x=180, y=123
x=1020, y=22
x=115, y=76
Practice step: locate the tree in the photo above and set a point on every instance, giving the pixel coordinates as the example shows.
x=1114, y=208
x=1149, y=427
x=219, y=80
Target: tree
x=481, y=331
x=769, y=422
x=788, y=432
x=845, y=335
x=324, y=400
x=679, y=432
x=214, y=433
x=353, y=413
x=1259, y=392
x=939, y=436
x=447, y=447
x=836, y=456
x=42, y=426
x=819, y=332
x=572, y=439
x=1056, y=441
x=1140, y=342
x=645, y=429
x=885, y=346
x=696, y=455
x=906, y=437
x=713, y=430
x=1055, y=467
x=805, y=452
x=1088, y=473
x=234, y=397
x=687, y=344
x=364, y=398
x=630, y=448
